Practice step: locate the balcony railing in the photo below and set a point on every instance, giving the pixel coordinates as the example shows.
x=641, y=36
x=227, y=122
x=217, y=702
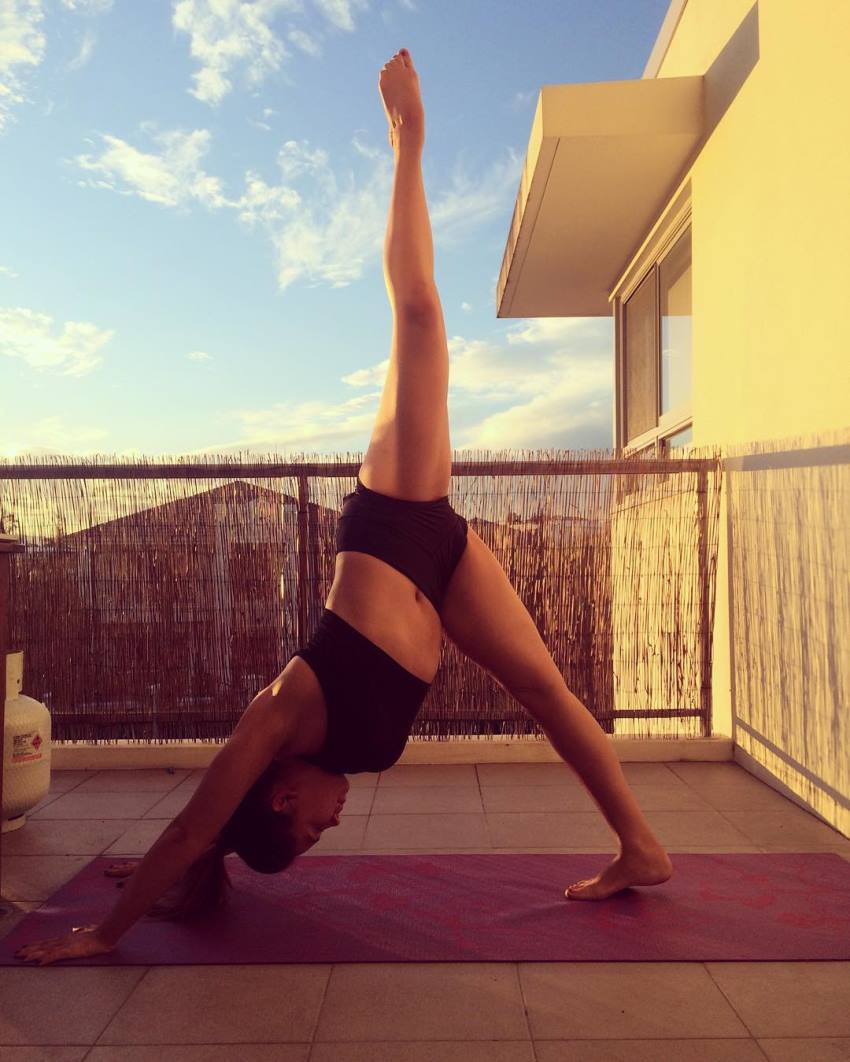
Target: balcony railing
x=154, y=599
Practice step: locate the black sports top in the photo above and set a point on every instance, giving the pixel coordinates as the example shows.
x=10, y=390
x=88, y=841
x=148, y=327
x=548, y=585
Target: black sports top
x=371, y=699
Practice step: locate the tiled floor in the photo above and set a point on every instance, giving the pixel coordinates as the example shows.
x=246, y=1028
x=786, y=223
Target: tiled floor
x=429, y=1012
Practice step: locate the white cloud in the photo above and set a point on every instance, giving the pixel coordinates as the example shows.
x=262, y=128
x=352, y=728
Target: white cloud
x=308, y=44
x=470, y=202
x=199, y=355
x=88, y=7
x=22, y=44
x=172, y=178
x=6, y=271
x=311, y=426
x=85, y=53
x=364, y=149
x=363, y=377
x=26, y=334
x=328, y=233
x=61, y=438
x=340, y=13
x=465, y=307
x=556, y=373
x=227, y=34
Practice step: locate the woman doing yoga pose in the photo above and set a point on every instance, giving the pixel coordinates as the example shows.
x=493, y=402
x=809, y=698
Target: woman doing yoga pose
x=408, y=567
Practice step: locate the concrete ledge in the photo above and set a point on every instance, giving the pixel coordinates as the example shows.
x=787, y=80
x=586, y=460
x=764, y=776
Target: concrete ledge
x=85, y=756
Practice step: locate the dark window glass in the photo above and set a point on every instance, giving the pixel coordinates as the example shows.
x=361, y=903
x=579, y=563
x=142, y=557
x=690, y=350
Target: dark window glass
x=640, y=358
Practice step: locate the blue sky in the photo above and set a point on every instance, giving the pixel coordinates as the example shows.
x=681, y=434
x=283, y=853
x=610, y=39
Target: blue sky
x=194, y=195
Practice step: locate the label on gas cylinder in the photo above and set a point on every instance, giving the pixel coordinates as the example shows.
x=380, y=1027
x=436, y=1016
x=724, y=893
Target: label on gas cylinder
x=27, y=747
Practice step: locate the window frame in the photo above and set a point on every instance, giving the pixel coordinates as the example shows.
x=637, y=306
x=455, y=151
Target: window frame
x=649, y=258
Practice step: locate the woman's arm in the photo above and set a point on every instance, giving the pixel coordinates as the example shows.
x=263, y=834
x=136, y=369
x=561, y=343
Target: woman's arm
x=265, y=728
x=262, y=731
x=163, y=865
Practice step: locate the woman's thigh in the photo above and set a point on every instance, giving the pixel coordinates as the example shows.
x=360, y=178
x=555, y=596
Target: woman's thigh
x=483, y=615
x=409, y=454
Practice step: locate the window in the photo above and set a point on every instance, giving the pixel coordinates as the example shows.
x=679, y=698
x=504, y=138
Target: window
x=655, y=351
x=640, y=358
x=674, y=280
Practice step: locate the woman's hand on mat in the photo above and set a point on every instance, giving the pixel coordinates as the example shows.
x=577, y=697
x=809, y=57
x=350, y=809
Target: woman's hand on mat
x=80, y=943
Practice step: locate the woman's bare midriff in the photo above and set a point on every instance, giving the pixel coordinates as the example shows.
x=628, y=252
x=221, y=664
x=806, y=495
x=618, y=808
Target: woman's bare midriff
x=388, y=609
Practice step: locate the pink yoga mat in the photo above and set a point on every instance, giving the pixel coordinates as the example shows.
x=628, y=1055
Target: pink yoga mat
x=481, y=908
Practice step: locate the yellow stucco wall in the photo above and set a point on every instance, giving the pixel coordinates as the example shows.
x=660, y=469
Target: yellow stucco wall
x=771, y=225
x=771, y=351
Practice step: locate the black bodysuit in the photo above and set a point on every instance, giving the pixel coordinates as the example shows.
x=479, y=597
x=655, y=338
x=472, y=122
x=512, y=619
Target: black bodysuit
x=372, y=701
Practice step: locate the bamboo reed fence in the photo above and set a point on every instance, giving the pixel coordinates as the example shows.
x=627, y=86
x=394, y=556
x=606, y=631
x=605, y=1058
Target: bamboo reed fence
x=154, y=598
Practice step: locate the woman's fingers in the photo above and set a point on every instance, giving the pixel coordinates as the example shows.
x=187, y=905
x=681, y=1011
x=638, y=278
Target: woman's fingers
x=81, y=942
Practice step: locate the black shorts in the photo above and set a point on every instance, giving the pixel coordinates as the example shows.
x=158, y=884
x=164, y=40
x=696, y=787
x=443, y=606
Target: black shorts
x=422, y=539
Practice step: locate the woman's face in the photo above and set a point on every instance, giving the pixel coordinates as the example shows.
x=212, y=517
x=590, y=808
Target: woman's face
x=315, y=796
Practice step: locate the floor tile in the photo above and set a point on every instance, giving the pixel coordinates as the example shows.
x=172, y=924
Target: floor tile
x=427, y=799
x=787, y=998
x=737, y=1050
x=649, y=774
x=693, y=773
x=427, y=1051
x=506, y=799
x=16, y=911
x=816, y=1049
x=43, y=1054
x=611, y=1000
x=138, y=838
x=741, y=795
x=159, y=780
x=493, y=774
x=38, y=877
x=422, y=1001
x=556, y=830
x=221, y=1004
x=424, y=831
x=65, y=836
x=200, y=1053
x=789, y=826
x=170, y=806
x=76, y=805
x=676, y=797
x=429, y=774
x=61, y=1005
x=695, y=828
x=64, y=781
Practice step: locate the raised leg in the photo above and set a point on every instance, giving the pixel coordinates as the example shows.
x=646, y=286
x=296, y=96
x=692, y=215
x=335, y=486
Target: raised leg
x=409, y=455
x=484, y=617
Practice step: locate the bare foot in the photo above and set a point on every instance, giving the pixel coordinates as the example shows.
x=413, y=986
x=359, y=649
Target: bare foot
x=399, y=88
x=650, y=867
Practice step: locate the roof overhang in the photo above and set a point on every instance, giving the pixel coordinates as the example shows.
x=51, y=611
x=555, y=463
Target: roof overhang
x=601, y=160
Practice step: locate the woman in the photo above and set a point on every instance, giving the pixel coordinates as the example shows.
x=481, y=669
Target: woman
x=407, y=568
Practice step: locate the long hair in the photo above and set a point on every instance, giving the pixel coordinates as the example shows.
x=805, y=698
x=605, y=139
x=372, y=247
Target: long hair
x=263, y=838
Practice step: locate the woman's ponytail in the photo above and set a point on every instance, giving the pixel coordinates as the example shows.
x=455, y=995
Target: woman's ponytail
x=201, y=890
x=262, y=837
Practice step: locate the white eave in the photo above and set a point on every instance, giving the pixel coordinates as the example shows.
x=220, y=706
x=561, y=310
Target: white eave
x=601, y=160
